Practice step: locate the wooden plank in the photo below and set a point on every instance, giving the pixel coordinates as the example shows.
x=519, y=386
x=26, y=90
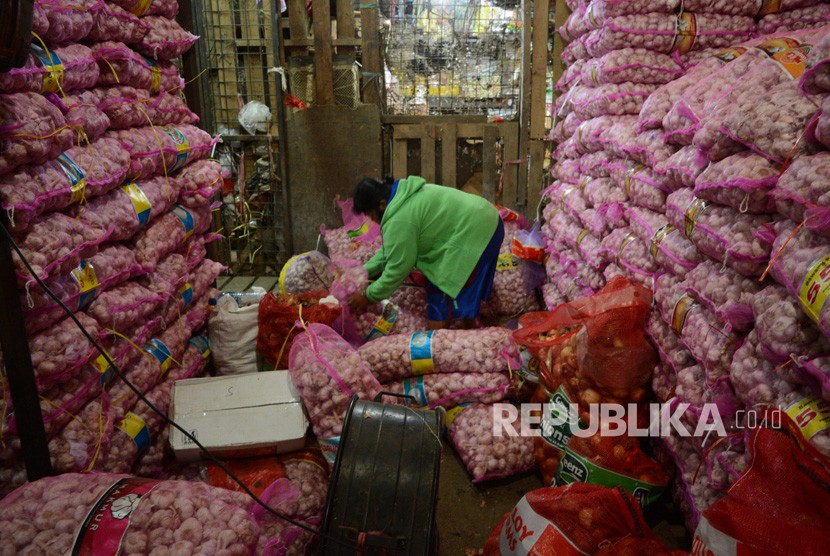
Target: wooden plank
x=524, y=116
x=408, y=131
x=489, y=170
x=538, y=85
x=562, y=11
x=396, y=119
x=448, y=155
x=470, y=130
x=267, y=283
x=372, y=81
x=297, y=24
x=249, y=14
x=399, y=158
x=428, y=153
x=310, y=42
x=239, y=284
x=345, y=25
x=510, y=169
x=221, y=58
x=323, y=72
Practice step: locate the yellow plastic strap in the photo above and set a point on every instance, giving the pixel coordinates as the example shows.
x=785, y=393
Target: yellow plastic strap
x=693, y=212
x=625, y=242
x=140, y=7
x=285, y=268
x=659, y=236
x=685, y=33
x=629, y=175
x=680, y=312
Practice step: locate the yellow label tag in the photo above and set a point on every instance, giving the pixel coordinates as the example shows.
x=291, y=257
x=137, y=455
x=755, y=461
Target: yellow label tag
x=777, y=45
x=453, y=413
x=591, y=17
x=769, y=7
x=583, y=183
x=132, y=424
x=680, y=312
x=140, y=202
x=384, y=326
x=582, y=235
x=629, y=175
x=693, y=212
x=731, y=54
x=794, y=60
x=84, y=275
x=182, y=147
x=140, y=7
x=812, y=415
x=103, y=367
x=595, y=73
x=816, y=287
x=659, y=236
x=685, y=33
x=507, y=261
x=625, y=242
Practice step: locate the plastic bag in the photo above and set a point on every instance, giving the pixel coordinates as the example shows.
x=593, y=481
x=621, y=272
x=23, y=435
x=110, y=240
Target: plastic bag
x=233, y=332
x=255, y=117
x=306, y=272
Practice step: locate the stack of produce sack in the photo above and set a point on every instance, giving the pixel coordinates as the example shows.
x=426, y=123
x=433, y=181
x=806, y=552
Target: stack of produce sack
x=712, y=185
x=106, y=184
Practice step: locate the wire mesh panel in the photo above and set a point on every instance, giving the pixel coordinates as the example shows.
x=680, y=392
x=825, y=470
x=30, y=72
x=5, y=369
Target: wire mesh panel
x=452, y=57
x=238, y=53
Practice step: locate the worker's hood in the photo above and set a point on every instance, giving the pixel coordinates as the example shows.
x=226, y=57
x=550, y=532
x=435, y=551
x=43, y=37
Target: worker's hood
x=406, y=189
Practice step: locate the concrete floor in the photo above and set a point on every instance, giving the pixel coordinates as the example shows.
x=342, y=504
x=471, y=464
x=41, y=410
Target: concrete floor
x=467, y=513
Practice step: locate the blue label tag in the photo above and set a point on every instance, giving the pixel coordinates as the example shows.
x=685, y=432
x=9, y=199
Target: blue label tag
x=186, y=218
x=420, y=353
x=157, y=349
x=84, y=275
x=135, y=427
x=414, y=387
x=181, y=146
x=76, y=177
x=202, y=344
x=186, y=292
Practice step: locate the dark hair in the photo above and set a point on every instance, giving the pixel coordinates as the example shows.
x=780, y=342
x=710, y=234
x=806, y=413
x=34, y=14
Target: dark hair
x=370, y=192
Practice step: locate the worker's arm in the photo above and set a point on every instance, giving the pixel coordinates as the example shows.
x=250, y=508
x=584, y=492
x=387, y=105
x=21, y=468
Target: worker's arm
x=401, y=251
x=374, y=266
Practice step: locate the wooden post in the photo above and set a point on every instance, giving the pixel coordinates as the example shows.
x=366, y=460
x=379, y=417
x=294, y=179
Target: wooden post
x=372, y=82
x=449, y=136
x=489, y=170
x=323, y=72
x=298, y=24
x=428, y=152
x=345, y=25
x=524, y=112
x=538, y=93
x=560, y=17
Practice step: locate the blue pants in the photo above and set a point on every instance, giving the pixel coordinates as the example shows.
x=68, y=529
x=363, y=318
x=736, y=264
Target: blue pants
x=477, y=289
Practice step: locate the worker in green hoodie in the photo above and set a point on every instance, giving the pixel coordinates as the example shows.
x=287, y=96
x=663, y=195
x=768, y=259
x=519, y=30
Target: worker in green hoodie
x=452, y=237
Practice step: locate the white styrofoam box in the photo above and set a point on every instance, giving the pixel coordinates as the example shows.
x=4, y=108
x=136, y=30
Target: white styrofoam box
x=237, y=413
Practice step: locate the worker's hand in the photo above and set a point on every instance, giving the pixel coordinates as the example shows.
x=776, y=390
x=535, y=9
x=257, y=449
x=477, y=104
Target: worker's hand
x=358, y=301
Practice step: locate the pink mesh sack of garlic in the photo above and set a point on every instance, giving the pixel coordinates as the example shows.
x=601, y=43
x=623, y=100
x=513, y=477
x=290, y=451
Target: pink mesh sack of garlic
x=572, y=266
x=359, y=238
x=819, y=127
x=742, y=181
x=33, y=132
x=600, y=10
x=158, y=151
x=749, y=8
x=82, y=113
x=56, y=70
x=727, y=294
x=114, y=23
x=129, y=107
x=669, y=33
x=641, y=185
x=49, y=515
x=487, y=455
x=667, y=343
x=120, y=65
x=784, y=331
x=70, y=20
x=602, y=191
x=576, y=25
x=551, y=296
x=80, y=173
x=661, y=101
x=452, y=389
x=816, y=78
x=671, y=250
x=625, y=250
x=752, y=74
x=682, y=168
x=708, y=339
x=130, y=207
x=803, y=192
x=770, y=123
x=166, y=39
x=757, y=382
x=612, y=100
x=739, y=241
x=111, y=266
x=649, y=148
x=54, y=245
x=632, y=65
x=305, y=272
x=811, y=17
x=594, y=165
x=327, y=371
x=141, y=8
x=169, y=232
x=198, y=183
x=489, y=350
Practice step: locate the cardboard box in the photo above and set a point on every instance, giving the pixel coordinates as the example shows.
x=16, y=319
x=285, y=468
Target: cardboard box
x=239, y=414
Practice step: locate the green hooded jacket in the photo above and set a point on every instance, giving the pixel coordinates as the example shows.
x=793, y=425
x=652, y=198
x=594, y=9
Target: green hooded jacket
x=439, y=230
